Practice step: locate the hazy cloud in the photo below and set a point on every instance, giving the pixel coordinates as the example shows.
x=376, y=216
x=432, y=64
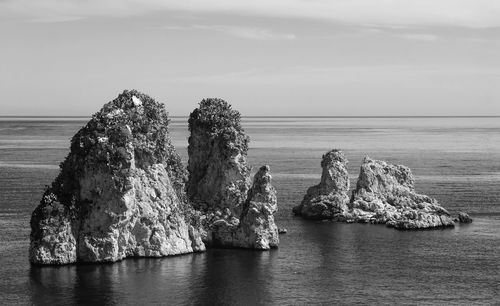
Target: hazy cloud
x=465, y=13
x=418, y=37
x=336, y=75
x=238, y=31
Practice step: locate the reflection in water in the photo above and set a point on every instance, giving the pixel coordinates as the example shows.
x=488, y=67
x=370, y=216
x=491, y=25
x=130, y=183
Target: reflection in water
x=324, y=262
x=215, y=277
x=236, y=276
x=51, y=285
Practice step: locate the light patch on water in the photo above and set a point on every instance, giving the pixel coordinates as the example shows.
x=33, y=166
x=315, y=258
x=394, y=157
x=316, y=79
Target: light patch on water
x=36, y=166
x=490, y=177
x=296, y=175
x=12, y=128
x=429, y=178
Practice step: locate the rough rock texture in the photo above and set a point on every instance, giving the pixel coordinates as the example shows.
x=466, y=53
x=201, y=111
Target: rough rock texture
x=233, y=213
x=385, y=193
x=328, y=199
x=120, y=191
x=219, y=177
x=255, y=228
x=464, y=218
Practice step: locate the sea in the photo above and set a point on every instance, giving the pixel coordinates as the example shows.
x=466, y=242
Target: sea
x=454, y=159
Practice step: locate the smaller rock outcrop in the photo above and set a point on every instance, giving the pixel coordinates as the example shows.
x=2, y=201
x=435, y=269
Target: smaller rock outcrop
x=464, y=218
x=328, y=199
x=282, y=231
x=386, y=194
x=257, y=226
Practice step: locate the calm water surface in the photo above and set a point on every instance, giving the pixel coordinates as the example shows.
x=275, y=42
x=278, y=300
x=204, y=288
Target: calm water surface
x=456, y=160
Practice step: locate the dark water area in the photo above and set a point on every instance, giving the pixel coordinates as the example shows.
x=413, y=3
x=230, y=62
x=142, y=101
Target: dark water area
x=456, y=160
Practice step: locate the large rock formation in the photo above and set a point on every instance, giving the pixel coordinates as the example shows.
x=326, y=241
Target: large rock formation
x=233, y=213
x=385, y=193
x=328, y=199
x=120, y=191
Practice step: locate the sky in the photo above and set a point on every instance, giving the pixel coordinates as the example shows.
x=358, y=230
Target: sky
x=265, y=57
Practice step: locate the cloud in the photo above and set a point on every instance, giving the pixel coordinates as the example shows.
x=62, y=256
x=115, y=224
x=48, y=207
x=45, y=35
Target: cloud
x=253, y=33
x=56, y=18
x=391, y=13
x=326, y=76
x=418, y=37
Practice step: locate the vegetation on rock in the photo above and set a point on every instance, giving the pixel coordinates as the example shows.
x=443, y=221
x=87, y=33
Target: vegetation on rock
x=216, y=119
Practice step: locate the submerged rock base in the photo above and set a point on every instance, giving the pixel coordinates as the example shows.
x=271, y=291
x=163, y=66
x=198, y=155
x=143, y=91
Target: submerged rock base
x=384, y=194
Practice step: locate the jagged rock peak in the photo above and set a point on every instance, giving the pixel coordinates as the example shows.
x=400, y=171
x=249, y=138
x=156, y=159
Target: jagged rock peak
x=119, y=192
x=393, y=176
x=255, y=228
x=334, y=176
x=257, y=219
x=385, y=193
x=218, y=171
x=262, y=183
x=333, y=156
x=328, y=199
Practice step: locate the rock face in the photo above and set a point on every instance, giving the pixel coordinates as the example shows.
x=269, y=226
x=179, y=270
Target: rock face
x=328, y=199
x=255, y=228
x=120, y=192
x=232, y=212
x=385, y=193
x=219, y=177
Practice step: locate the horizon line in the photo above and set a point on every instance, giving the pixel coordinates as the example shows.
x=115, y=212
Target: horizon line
x=277, y=116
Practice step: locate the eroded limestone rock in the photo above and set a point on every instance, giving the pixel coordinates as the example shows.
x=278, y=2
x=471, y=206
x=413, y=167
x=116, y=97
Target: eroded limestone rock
x=328, y=199
x=232, y=211
x=120, y=191
x=256, y=228
x=385, y=193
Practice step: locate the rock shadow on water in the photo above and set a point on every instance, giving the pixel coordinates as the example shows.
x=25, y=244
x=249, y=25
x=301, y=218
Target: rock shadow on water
x=237, y=277
x=135, y=279
x=213, y=278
